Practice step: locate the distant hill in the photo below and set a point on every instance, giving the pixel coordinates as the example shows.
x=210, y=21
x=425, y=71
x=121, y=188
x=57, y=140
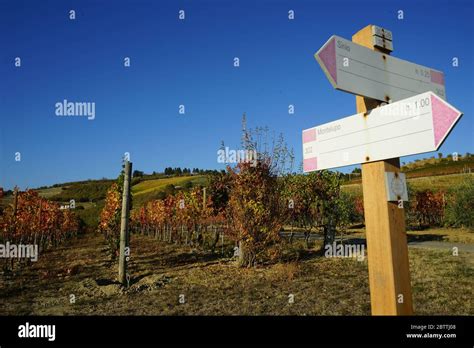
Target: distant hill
x=429, y=167
x=158, y=188
x=439, y=166
x=83, y=191
x=433, y=183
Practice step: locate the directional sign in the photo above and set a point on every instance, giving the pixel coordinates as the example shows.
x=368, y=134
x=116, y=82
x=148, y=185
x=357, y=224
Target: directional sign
x=356, y=69
x=414, y=125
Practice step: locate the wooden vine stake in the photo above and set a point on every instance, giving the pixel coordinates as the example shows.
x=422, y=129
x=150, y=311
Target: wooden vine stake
x=124, y=232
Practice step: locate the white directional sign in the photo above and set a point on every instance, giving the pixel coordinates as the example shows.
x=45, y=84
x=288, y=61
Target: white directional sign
x=359, y=70
x=414, y=125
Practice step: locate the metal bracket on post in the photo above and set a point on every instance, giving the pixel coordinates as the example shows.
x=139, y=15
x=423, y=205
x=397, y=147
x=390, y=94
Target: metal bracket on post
x=382, y=38
x=396, y=187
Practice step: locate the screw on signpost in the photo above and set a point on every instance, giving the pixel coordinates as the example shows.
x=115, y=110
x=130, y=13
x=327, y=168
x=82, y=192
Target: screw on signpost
x=124, y=233
x=387, y=249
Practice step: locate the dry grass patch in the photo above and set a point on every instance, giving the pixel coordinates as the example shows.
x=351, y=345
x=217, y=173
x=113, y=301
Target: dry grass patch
x=213, y=285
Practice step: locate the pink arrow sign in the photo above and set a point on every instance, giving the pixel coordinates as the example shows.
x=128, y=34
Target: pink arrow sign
x=410, y=126
x=444, y=118
x=359, y=70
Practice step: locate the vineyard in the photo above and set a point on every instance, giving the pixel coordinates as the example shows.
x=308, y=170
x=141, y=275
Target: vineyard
x=37, y=221
x=246, y=206
x=215, y=229
x=250, y=206
x=192, y=241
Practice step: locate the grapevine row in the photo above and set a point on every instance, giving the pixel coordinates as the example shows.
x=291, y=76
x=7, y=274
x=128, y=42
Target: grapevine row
x=32, y=219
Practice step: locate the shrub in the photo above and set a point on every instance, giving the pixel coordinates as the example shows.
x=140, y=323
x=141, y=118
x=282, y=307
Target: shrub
x=427, y=208
x=314, y=201
x=257, y=210
x=358, y=209
x=460, y=205
x=219, y=190
x=351, y=209
x=109, y=224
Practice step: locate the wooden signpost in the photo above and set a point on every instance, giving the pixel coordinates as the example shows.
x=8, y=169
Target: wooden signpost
x=419, y=121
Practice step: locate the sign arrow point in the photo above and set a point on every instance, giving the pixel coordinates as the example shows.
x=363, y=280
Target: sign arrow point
x=326, y=57
x=445, y=117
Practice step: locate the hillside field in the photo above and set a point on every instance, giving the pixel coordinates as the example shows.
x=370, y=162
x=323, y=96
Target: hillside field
x=150, y=189
x=434, y=183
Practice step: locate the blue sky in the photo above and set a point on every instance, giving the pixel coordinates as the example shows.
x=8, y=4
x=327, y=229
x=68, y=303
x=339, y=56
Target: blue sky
x=190, y=62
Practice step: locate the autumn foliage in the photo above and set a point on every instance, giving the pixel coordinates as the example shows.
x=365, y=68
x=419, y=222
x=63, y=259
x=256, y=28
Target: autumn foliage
x=427, y=208
x=180, y=218
x=109, y=224
x=37, y=221
x=257, y=210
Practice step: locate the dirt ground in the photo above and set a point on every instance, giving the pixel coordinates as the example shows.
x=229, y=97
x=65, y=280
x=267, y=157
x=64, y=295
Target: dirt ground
x=80, y=279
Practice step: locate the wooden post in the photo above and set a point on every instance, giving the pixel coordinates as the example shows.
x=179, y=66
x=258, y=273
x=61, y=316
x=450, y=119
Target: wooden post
x=124, y=233
x=204, y=198
x=387, y=249
x=39, y=221
x=15, y=208
x=15, y=201
x=201, y=235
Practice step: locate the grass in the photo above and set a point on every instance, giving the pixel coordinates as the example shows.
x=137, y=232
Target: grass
x=440, y=234
x=94, y=190
x=352, y=189
x=159, y=184
x=432, y=167
x=451, y=235
x=50, y=192
x=438, y=183
x=434, y=183
x=151, y=189
x=435, y=275
x=213, y=285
